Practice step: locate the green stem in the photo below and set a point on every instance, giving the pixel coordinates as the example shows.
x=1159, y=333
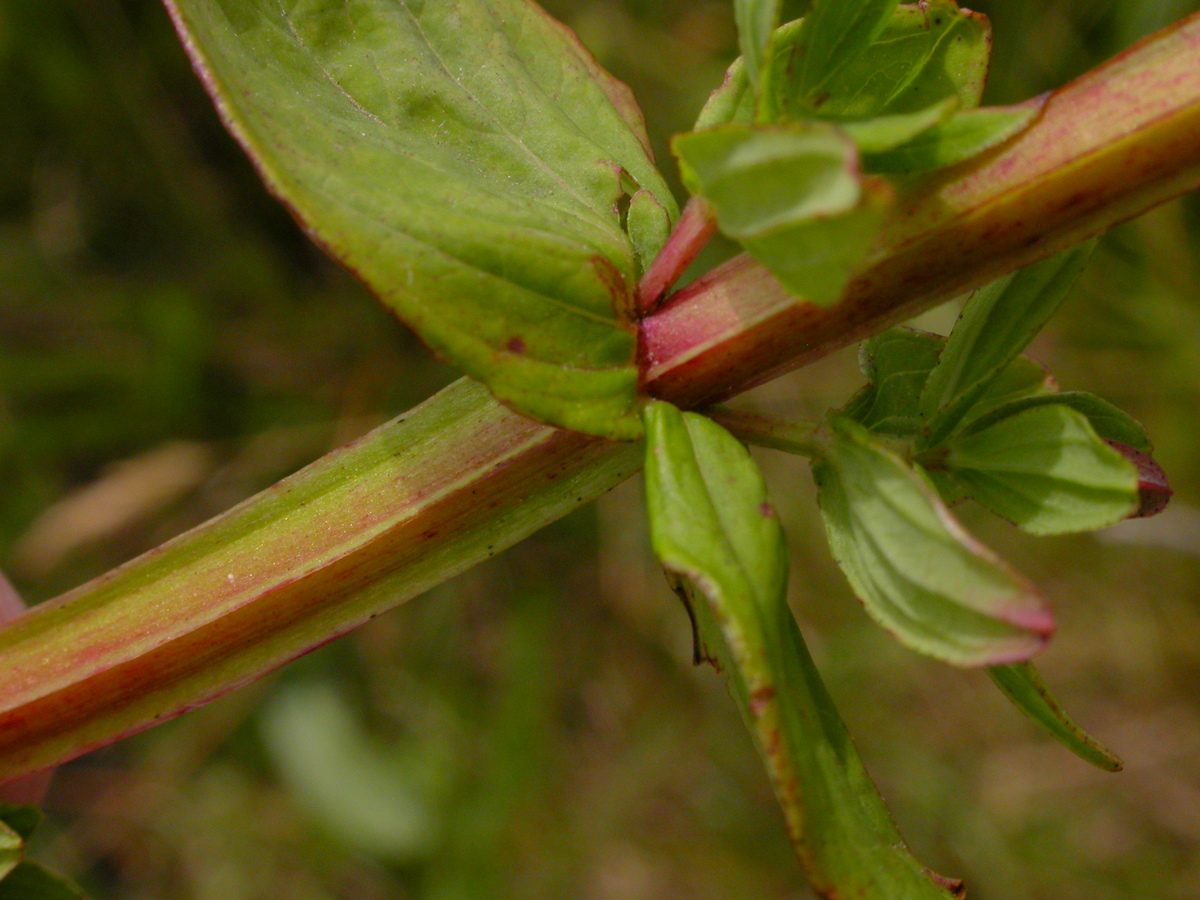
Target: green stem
x=460, y=478
x=768, y=431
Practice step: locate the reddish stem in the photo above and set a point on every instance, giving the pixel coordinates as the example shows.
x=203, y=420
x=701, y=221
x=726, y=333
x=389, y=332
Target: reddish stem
x=692, y=232
x=32, y=788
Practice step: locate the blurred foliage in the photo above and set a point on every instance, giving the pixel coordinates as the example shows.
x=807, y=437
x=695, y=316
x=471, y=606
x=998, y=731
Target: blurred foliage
x=535, y=728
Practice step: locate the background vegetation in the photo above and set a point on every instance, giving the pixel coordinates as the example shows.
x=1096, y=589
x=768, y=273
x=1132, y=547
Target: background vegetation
x=171, y=343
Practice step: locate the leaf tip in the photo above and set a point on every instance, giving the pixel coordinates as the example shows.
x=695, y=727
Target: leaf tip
x=1154, y=491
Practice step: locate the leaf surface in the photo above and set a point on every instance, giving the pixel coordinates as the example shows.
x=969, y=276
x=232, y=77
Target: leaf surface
x=921, y=56
x=952, y=141
x=835, y=34
x=24, y=820
x=1046, y=470
x=12, y=849
x=997, y=323
x=897, y=363
x=716, y=533
x=1023, y=685
x=1108, y=421
x=885, y=133
x=916, y=570
x=756, y=23
x=466, y=158
x=791, y=194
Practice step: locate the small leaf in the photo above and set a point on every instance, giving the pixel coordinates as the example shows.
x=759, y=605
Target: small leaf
x=1154, y=491
x=883, y=133
x=1022, y=378
x=649, y=224
x=917, y=571
x=12, y=849
x=997, y=323
x=761, y=178
x=756, y=22
x=467, y=160
x=835, y=34
x=924, y=55
x=1023, y=685
x=1045, y=470
x=791, y=194
x=953, y=141
x=897, y=362
x=716, y=533
x=815, y=260
x=29, y=881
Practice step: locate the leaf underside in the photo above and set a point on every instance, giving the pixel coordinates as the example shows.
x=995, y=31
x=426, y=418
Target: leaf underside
x=918, y=573
x=715, y=531
x=467, y=159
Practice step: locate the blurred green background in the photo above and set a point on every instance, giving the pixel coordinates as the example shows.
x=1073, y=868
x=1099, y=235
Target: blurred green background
x=171, y=343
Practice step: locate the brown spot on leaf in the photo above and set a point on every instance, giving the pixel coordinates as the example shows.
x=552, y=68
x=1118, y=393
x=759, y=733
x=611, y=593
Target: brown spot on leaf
x=515, y=345
x=766, y=510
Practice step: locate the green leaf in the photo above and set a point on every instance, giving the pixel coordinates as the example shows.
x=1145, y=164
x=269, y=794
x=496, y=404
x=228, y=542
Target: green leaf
x=897, y=362
x=952, y=141
x=815, y=260
x=995, y=326
x=29, y=881
x=790, y=193
x=917, y=571
x=1022, y=378
x=1023, y=685
x=883, y=133
x=756, y=22
x=649, y=224
x=922, y=56
x=763, y=178
x=467, y=160
x=716, y=533
x=12, y=849
x=834, y=36
x=1108, y=421
x=24, y=820
x=1044, y=469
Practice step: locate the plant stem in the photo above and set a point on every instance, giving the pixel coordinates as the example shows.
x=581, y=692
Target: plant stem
x=460, y=478
x=691, y=233
x=768, y=431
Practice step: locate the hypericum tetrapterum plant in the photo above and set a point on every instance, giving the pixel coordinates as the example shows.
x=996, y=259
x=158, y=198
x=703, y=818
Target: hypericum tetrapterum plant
x=495, y=188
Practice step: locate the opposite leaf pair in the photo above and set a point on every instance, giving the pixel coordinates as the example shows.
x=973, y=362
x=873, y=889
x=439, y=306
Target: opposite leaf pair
x=782, y=148
x=940, y=417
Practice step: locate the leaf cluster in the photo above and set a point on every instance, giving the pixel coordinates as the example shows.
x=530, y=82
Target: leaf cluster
x=814, y=109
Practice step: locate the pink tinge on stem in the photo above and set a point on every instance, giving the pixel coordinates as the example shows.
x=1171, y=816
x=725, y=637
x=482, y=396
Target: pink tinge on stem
x=30, y=790
x=1154, y=492
x=695, y=228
